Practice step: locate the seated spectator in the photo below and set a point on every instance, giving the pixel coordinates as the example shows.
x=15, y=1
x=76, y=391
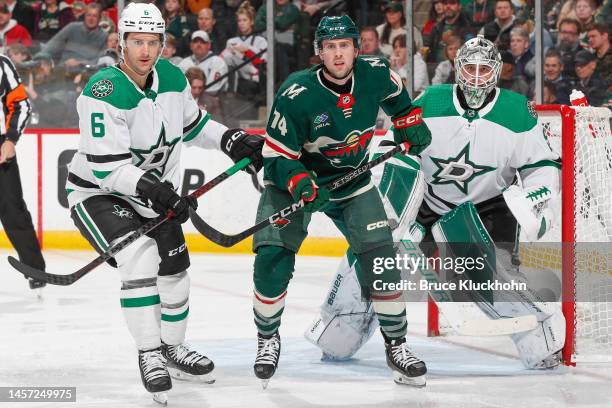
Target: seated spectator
x=208, y=23
x=110, y=56
x=246, y=50
x=78, y=10
x=11, y=32
x=370, y=45
x=399, y=63
x=455, y=23
x=286, y=16
x=22, y=12
x=179, y=24
x=394, y=25
x=51, y=17
x=524, y=63
x=585, y=14
x=599, y=40
x=604, y=14
x=436, y=14
x=590, y=83
x=529, y=26
x=78, y=43
x=553, y=73
x=498, y=30
x=196, y=78
x=508, y=79
x=445, y=71
x=169, y=51
x=549, y=94
x=568, y=10
x=568, y=45
x=213, y=66
x=480, y=12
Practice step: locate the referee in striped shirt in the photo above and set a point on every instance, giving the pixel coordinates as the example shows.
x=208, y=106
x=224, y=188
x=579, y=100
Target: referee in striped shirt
x=14, y=214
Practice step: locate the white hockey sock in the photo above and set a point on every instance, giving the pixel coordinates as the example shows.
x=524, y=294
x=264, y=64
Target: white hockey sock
x=174, y=294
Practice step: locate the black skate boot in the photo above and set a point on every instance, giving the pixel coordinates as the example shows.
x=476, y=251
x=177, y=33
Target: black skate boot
x=266, y=361
x=407, y=368
x=154, y=374
x=188, y=365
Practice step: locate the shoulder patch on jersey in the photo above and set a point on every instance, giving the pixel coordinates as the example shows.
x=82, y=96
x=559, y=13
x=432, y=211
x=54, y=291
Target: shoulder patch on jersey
x=102, y=88
x=511, y=110
x=171, y=78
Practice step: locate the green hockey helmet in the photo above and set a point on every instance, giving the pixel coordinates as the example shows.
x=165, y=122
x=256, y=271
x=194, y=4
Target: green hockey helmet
x=333, y=28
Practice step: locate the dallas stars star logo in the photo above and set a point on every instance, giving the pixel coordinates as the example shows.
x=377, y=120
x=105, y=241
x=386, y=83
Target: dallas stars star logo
x=459, y=170
x=155, y=157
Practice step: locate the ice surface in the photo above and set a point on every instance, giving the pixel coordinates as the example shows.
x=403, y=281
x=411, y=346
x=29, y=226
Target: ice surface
x=76, y=336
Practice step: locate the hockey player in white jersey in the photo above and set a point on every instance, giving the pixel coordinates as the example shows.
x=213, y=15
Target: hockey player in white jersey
x=482, y=137
x=134, y=118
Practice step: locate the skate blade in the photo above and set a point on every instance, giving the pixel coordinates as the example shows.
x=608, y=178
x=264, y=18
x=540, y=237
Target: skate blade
x=183, y=376
x=401, y=379
x=161, y=398
x=264, y=383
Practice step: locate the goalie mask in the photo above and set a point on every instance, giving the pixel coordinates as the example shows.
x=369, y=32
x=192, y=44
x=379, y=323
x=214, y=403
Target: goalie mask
x=142, y=18
x=478, y=66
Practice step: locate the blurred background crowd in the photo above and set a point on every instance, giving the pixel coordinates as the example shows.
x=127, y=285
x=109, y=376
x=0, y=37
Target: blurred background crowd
x=221, y=46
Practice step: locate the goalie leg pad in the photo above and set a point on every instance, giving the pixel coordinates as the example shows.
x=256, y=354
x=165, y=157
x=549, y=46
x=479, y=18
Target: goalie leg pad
x=346, y=321
x=538, y=348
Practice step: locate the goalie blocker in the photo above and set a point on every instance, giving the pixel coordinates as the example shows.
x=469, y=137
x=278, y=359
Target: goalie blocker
x=346, y=322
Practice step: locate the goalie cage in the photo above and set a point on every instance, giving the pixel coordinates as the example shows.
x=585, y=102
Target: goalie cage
x=581, y=136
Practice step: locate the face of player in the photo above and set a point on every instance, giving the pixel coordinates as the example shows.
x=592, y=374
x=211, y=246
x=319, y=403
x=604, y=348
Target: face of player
x=518, y=45
x=141, y=52
x=206, y=20
x=245, y=24
x=338, y=56
x=369, y=43
x=199, y=48
x=477, y=74
x=197, y=86
x=503, y=10
x=552, y=68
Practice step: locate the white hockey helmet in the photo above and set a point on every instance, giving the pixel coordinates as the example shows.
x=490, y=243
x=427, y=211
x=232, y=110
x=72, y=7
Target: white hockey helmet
x=478, y=67
x=141, y=18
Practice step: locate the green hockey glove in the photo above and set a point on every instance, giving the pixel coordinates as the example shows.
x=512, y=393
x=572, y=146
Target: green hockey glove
x=302, y=186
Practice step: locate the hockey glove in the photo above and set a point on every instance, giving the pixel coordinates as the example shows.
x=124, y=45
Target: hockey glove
x=534, y=209
x=409, y=126
x=238, y=144
x=163, y=198
x=302, y=186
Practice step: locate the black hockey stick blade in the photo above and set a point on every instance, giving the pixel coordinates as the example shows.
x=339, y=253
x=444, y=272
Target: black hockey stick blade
x=227, y=241
x=69, y=279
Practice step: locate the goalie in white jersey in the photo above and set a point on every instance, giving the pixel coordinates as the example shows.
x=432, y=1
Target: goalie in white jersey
x=464, y=184
x=134, y=119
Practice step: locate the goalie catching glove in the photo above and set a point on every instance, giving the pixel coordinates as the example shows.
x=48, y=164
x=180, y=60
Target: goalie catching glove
x=238, y=144
x=301, y=185
x=163, y=198
x=533, y=209
x=409, y=126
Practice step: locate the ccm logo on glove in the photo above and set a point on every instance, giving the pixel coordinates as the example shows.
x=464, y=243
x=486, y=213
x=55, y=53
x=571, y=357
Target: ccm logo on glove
x=415, y=117
x=376, y=225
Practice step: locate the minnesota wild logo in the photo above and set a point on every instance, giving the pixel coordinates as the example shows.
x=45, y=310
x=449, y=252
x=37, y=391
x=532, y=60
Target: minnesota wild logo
x=349, y=152
x=102, y=88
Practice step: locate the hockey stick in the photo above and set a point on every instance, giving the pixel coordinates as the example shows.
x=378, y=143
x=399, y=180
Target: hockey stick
x=69, y=279
x=224, y=240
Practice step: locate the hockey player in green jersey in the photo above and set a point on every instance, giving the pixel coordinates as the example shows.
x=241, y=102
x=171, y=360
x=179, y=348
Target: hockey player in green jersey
x=134, y=118
x=483, y=137
x=320, y=128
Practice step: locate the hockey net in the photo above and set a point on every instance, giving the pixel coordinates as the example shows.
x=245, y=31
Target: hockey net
x=582, y=137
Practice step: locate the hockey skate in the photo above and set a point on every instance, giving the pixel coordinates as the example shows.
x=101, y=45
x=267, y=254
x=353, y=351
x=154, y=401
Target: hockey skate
x=154, y=374
x=266, y=361
x=188, y=365
x=407, y=368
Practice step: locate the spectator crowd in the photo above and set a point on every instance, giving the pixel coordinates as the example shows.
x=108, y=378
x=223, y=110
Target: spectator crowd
x=221, y=46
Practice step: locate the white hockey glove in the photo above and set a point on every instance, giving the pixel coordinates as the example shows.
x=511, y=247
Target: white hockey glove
x=533, y=207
